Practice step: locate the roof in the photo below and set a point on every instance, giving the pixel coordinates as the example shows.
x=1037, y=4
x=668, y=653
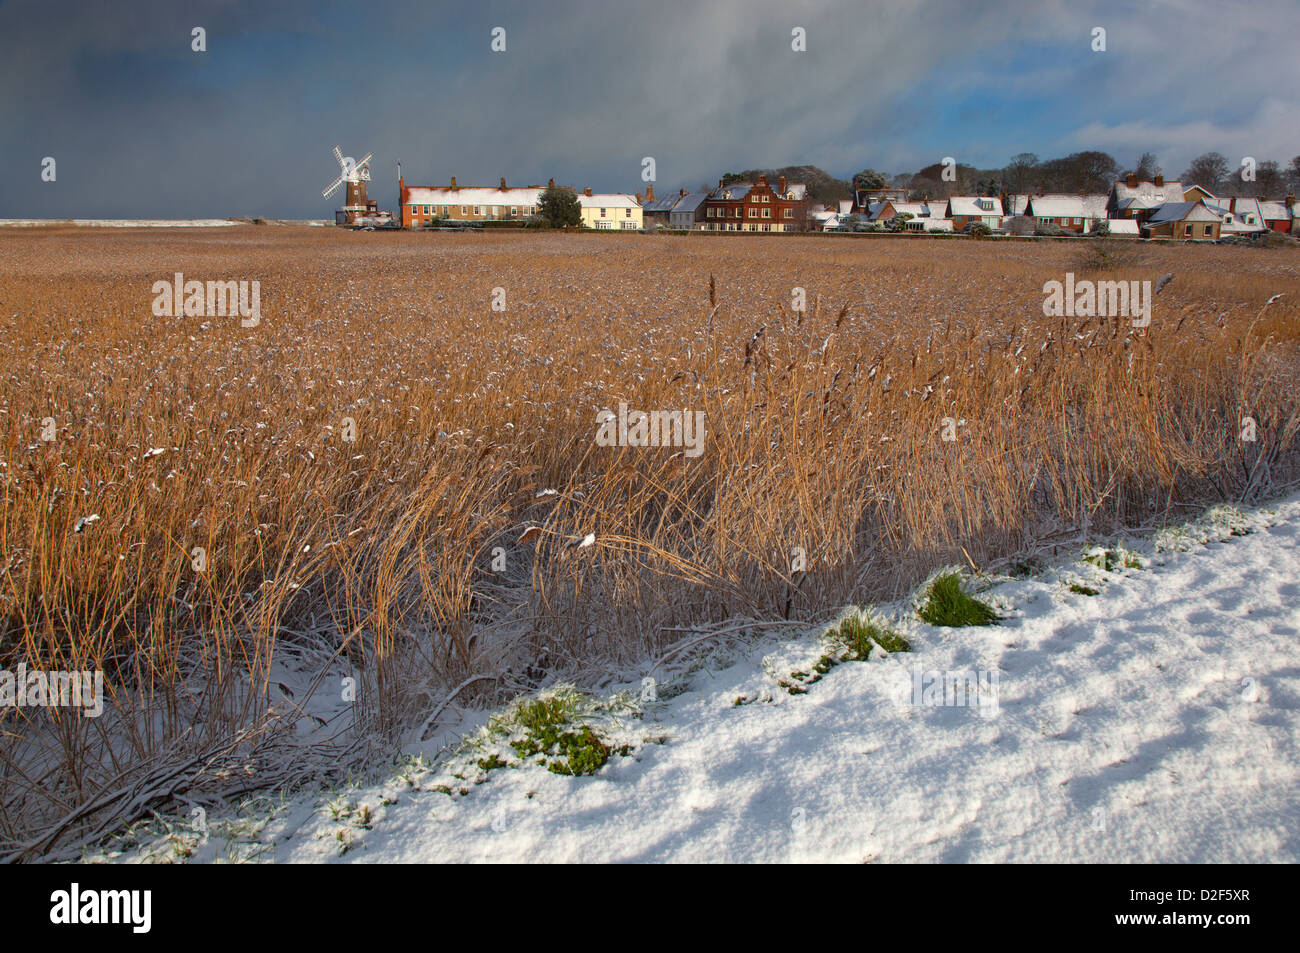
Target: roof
x=607, y=200
x=1182, y=211
x=1057, y=206
x=1236, y=221
x=938, y=225
x=690, y=202
x=1274, y=211
x=938, y=208
x=1018, y=204
x=731, y=193
x=914, y=209
x=419, y=195
x=1123, y=226
x=967, y=205
x=660, y=205
x=1155, y=194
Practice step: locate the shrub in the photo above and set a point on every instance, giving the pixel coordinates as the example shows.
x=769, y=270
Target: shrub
x=978, y=230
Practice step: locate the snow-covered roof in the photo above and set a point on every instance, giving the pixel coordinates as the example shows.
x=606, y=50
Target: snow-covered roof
x=969, y=205
x=1274, y=211
x=420, y=195
x=797, y=192
x=846, y=206
x=1236, y=222
x=938, y=208
x=1155, y=194
x=1122, y=226
x=914, y=209
x=1018, y=204
x=938, y=225
x=1057, y=206
x=607, y=200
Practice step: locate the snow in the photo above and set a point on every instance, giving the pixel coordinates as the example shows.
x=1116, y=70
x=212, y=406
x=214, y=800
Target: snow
x=1153, y=722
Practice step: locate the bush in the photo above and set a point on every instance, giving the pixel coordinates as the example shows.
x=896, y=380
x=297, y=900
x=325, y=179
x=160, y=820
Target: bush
x=978, y=230
x=1021, y=225
x=1050, y=230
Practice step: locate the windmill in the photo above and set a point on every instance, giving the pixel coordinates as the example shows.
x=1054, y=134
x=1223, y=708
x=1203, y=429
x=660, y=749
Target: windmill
x=355, y=204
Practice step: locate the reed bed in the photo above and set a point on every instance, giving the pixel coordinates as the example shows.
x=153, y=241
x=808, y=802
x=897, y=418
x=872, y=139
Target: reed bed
x=471, y=540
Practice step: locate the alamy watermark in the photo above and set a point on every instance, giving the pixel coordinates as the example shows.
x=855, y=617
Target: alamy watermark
x=200, y=299
x=655, y=428
x=960, y=688
x=39, y=689
x=1110, y=299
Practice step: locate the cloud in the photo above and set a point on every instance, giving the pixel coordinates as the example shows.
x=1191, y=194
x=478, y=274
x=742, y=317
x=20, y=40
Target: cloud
x=142, y=126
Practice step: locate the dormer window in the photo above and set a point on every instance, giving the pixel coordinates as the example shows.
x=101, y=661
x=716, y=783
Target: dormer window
x=986, y=205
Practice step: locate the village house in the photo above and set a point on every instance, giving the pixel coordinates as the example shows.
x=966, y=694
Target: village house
x=654, y=211
x=1277, y=215
x=1130, y=198
x=688, y=211
x=420, y=205
x=1183, y=220
x=756, y=207
x=610, y=210
x=864, y=199
x=965, y=209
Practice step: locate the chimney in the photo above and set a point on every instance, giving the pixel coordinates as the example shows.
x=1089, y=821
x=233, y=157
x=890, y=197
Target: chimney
x=1132, y=180
x=453, y=183
x=682, y=195
x=1160, y=180
x=649, y=192
x=780, y=185
x=503, y=183
x=762, y=178
x=550, y=183
x=639, y=200
x=587, y=192
x=1040, y=191
x=719, y=183
x=1290, y=200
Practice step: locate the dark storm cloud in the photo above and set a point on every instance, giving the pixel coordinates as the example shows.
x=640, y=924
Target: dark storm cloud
x=141, y=126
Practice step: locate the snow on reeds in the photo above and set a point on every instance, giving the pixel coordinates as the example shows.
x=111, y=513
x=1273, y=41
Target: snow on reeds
x=390, y=483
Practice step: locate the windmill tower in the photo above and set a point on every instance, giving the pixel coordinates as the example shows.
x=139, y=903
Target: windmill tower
x=355, y=175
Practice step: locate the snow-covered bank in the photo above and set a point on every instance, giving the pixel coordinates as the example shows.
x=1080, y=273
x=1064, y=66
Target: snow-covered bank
x=1155, y=721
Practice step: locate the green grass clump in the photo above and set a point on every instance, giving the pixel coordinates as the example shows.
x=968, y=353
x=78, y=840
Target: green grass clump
x=572, y=751
x=948, y=604
x=1108, y=560
x=1083, y=590
x=857, y=635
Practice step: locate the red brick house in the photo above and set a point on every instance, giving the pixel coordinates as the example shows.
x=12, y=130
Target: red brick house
x=756, y=207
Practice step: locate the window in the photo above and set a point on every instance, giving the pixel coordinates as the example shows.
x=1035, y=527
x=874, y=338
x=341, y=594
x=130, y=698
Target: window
x=753, y=213
x=1187, y=230
x=478, y=210
x=753, y=198
x=627, y=213
x=463, y=210
x=767, y=198
x=787, y=213
x=426, y=210
x=602, y=213
x=767, y=213
x=444, y=211
x=766, y=227
x=1209, y=229
x=514, y=212
x=1078, y=221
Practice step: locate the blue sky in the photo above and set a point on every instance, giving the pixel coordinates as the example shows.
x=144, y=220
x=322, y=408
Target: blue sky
x=141, y=126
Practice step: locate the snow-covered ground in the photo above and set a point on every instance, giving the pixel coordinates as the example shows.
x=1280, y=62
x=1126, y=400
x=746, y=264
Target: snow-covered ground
x=121, y=222
x=1155, y=721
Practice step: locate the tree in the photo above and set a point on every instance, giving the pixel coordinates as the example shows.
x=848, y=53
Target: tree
x=1270, y=181
x=1020, y=171
x=1148, y=167
x=1293, y=173
x=1209, y=171
x=869, y=179
x=559, y=208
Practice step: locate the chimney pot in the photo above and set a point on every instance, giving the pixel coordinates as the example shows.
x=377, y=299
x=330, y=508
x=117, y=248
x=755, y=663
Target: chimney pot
x=503, y=183
x=587, y=192
x=780, y=185
x=1132, y=180
x=682, y=194
x=453, y=183
x=649, y=192
x=1160, y=179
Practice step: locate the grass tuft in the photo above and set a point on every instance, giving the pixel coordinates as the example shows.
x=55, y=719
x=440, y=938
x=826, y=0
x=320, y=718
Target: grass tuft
x=948, y=604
